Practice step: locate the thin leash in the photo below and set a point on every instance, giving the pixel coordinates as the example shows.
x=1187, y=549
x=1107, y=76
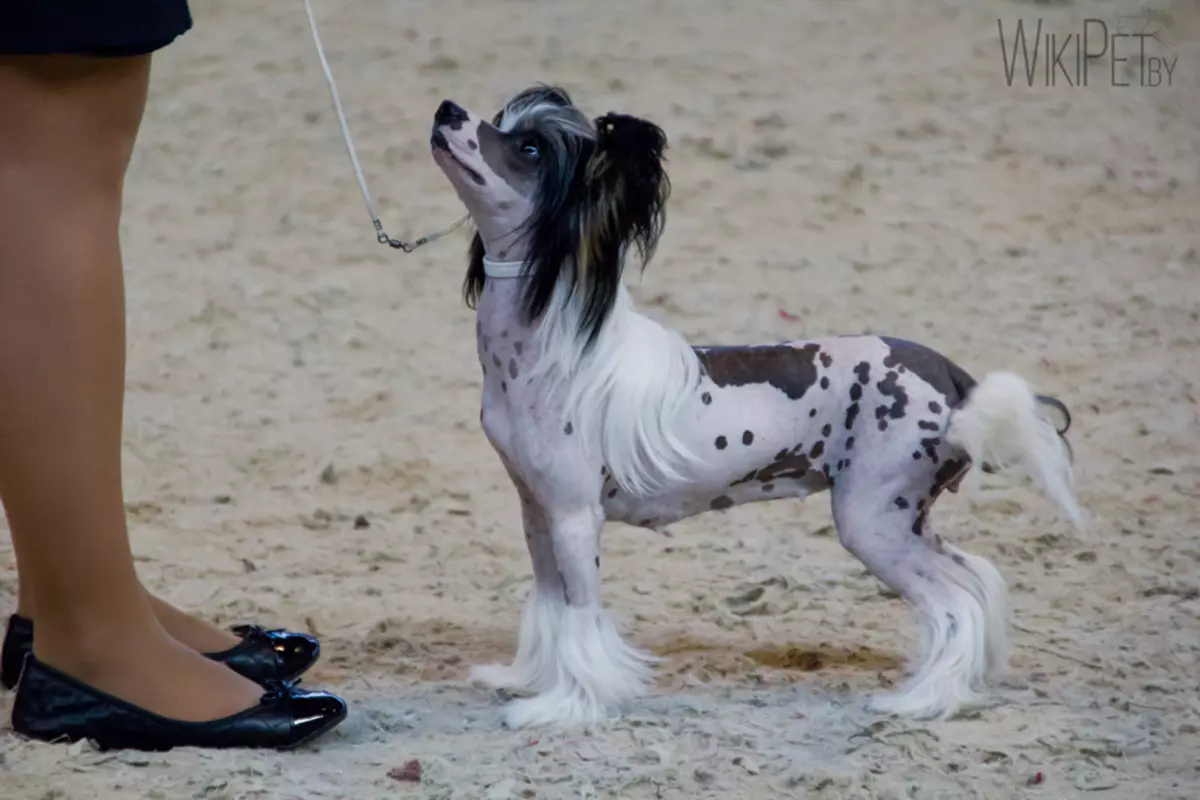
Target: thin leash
x=380, y=235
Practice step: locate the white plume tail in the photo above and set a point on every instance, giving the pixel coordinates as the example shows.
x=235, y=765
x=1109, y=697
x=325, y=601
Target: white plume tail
x=1003, y=425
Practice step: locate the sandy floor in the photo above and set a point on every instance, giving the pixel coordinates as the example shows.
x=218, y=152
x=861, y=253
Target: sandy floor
x=303, y=446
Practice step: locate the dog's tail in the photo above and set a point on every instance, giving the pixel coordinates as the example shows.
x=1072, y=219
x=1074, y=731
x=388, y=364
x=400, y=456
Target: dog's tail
x=1003, y=423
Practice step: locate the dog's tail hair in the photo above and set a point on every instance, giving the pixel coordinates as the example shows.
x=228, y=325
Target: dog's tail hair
x=1003, y=424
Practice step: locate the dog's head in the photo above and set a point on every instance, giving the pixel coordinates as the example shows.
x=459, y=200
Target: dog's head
x=564, y=194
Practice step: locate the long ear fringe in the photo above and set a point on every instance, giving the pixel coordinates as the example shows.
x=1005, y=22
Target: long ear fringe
x=630, y=154
x=625, y=190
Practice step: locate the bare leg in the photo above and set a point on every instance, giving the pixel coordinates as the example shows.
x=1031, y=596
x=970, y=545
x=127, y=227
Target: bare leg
x=532, y=670
x=66, y=135
x=197, y=634
x=959, y=599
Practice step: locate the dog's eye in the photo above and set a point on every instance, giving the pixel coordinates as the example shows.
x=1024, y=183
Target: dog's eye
x=529, y=148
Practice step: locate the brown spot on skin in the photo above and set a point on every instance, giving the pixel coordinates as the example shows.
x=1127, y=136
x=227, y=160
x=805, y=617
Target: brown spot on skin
x=503, y=253
x=721, y=503
x=781, y=454
x=883, y=424
x=916, y=455
x=786, y=465
x=826, y=360
x=568, y=430
x=519, y=347
x=721, y=443
x=932, y=367
x=768, y=487
x=827, y=429
x=791, y=370
x=856, y=392
x=928, y=426
x=812, y=413
x=504, y=386
x=597, y=562
x=947, y=476
x=851, y=415
x=901, y=503
x=504, y=333
x=935, y=407
x=496, y=360
x=824, y=383
x=706, y=398
x=817, y=450
x=471, y=143
x=850, y=443
x=512, y=368
x=863, y=371
x=748, y=438
x=890, y=387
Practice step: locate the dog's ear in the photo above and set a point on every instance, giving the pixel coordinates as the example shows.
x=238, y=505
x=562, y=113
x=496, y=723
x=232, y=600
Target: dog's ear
x=620, y=201
x=628, y=190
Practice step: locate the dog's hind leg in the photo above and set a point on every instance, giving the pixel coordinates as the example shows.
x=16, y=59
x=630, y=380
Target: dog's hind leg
x=960, y=600
x=594, y=671
x=533, y=669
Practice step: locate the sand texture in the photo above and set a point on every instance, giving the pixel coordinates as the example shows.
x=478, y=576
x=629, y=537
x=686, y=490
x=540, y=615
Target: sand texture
x=303, y=446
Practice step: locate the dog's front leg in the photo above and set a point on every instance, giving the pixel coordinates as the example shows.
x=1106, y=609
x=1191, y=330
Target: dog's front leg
x=595, y=673
x=534, y=668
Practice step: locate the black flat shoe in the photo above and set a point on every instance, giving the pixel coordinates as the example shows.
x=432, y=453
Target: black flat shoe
x=262, y=655
x=53, y=707
x=18, y=642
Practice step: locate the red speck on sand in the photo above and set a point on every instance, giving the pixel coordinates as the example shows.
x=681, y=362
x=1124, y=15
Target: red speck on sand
x=1037, y=778
x=411, y=771
x=787, y=315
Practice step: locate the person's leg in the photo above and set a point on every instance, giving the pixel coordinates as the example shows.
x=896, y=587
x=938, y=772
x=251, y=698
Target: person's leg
x=197, y=634
x=66, y=136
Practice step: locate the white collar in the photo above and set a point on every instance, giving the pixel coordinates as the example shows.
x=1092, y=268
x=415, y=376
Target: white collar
x=502, y=269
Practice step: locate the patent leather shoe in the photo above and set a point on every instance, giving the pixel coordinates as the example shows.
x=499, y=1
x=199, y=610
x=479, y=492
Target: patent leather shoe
x=51, y=706
x=18, y=642
x=262, y=655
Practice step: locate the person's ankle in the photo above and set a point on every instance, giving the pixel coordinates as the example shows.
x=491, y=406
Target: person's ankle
x=83, y=646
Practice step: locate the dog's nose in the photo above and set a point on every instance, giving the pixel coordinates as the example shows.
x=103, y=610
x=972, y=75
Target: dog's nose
x=450, y=113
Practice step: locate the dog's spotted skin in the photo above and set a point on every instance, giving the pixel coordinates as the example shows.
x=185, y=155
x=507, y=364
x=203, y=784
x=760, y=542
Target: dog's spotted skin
x=799, y=452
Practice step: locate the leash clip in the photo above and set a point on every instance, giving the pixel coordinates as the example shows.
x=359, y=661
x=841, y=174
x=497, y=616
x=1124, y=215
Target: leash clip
x=380, y=235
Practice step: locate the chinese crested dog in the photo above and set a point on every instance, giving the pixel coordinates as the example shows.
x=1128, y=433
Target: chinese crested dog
x=599, y=413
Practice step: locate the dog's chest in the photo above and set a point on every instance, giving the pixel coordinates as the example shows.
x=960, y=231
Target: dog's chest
x=513, y=411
